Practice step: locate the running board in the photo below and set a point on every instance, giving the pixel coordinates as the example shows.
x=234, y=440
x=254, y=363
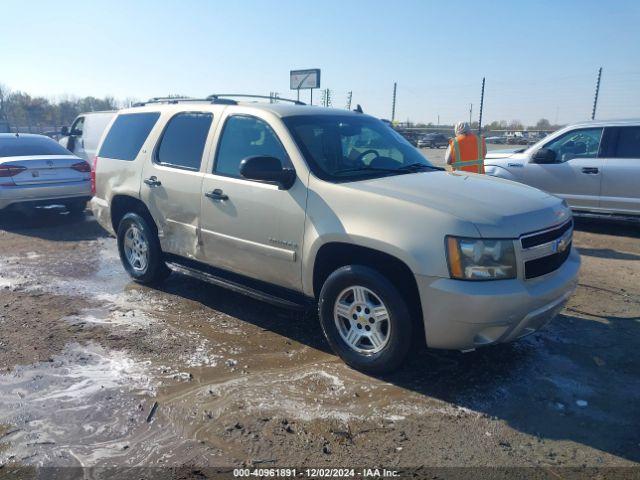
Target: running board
x=238, y=287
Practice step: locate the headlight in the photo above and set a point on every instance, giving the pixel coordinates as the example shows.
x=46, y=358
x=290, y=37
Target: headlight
x=480, y=259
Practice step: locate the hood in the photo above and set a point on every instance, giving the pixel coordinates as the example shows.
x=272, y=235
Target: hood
x=506, y=153
x=498, y=208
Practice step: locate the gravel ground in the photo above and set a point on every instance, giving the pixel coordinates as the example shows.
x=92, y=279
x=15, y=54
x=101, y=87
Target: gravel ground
x=100, y=372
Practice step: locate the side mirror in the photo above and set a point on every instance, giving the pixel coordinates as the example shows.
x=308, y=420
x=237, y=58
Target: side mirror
x=267, y=169
x=64, y=131
x=544, y=156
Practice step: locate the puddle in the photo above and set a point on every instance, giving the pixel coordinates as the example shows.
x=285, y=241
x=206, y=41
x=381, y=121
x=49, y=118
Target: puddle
x=310, y=392
x=80, y=407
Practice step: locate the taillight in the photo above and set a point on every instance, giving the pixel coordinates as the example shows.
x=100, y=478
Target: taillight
x=81, y=167
x=93, y=175
x=8, y=171
x=11, y=170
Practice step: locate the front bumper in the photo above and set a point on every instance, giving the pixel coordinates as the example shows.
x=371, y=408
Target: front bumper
x=463, y=315
x=44, y=193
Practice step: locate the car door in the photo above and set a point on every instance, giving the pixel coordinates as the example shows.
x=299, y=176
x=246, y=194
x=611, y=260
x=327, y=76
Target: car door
x=576, y=173
x=172, y=181
x=621, y=170
x=248, y=227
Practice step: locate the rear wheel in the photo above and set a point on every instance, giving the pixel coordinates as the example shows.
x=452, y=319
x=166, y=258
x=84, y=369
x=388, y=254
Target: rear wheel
x=365, y=319
x=140, y=250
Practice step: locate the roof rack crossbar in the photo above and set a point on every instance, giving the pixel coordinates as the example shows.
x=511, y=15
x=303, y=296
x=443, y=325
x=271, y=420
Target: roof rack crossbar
x=216, y=96
x=170, y=100
x=220, y=98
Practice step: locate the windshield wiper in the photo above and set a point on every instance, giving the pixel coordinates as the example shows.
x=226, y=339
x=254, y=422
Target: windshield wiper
x=366, y=168
x=414, y=167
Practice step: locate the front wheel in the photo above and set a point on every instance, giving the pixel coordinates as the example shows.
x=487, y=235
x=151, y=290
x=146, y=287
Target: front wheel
x=140, y=250
x=365, y=319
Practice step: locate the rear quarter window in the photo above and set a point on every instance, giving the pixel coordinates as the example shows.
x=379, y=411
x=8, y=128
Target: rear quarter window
x=127, y=135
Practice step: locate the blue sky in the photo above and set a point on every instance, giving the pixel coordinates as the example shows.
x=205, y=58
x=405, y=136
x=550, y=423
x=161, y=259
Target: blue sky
x=540, y=58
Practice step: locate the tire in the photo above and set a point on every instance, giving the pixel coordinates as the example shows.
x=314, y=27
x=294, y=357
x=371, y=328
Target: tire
x=77, y=207
x=140, y=250
x=374, y=351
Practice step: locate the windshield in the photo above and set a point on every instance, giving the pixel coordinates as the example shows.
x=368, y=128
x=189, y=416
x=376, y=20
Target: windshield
x=21, y=146
x=343, y=148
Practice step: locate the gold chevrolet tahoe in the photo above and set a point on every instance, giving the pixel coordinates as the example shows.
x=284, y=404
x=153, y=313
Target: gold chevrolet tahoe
x=304, y=206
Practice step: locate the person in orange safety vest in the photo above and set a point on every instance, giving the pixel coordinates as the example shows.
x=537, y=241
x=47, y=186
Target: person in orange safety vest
x=466, y=151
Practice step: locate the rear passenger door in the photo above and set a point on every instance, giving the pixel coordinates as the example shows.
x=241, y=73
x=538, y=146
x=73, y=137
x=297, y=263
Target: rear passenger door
x=621, y=170
x=250, y=227
x=172, y=181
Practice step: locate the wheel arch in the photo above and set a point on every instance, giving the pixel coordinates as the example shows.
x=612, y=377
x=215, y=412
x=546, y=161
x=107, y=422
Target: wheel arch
x=334, y=255
x=123, y=204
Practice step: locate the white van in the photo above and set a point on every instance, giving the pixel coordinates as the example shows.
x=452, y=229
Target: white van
x=85, y=133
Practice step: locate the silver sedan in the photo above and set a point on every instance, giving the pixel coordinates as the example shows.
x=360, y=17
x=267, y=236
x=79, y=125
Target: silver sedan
x=35, y=170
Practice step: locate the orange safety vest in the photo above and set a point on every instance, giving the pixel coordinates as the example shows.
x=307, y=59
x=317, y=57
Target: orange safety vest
x=468, y=153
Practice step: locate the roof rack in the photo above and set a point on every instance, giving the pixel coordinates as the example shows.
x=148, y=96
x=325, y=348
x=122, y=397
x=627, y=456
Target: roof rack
x=216, y=97
x=170, y=100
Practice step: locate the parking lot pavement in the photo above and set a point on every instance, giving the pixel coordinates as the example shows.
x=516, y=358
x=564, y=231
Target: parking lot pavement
x=86, y=354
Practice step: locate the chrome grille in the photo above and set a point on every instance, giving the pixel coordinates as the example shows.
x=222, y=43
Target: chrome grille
x=544, y=252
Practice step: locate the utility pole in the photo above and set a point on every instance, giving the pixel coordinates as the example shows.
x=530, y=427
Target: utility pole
x=595, y=100
x=470, y=112
x=481, y=105
x=438, y=120
x=349, y=96
x=326, y=97
x=393, y=105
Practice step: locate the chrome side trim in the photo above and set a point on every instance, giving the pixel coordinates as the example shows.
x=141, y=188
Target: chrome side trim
x=242, y=244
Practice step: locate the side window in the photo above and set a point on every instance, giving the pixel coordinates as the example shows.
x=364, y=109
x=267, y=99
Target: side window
x=242, y=137
x=628, y=145
x=77, y=127
x=182, y=142
x=127, y=135
x=584, y=143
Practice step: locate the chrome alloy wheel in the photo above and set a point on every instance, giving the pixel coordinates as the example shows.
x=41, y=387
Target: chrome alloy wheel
x=136, y=248
x=362, y=320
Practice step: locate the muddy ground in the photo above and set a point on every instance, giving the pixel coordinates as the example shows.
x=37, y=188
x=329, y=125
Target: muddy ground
x=86, y=354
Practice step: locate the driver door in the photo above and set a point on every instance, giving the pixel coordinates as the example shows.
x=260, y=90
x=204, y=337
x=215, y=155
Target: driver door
x=248, y=227
x=76, y=140
x=576, y=176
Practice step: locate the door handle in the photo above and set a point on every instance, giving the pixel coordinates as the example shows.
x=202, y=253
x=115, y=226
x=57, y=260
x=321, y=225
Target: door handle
x=217, y=194
x=590, y=170
x=152, y=181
